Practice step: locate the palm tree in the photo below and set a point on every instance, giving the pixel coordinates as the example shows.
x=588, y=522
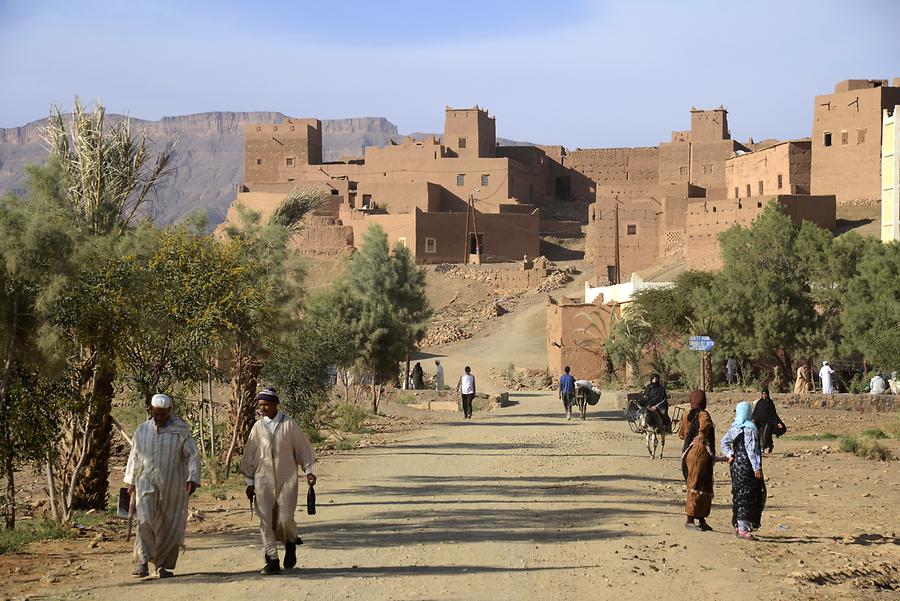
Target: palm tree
x=108, y=175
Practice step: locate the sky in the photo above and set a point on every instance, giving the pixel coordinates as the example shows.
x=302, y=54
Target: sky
x=582, y=73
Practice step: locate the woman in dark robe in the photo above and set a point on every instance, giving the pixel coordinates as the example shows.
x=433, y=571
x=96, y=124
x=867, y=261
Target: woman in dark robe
x=766, y=417
x=418, y=377
x=656, y=400
x=698, y=456
x=748, y=489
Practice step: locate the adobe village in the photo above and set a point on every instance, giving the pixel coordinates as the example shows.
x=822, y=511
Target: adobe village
x=508, y=370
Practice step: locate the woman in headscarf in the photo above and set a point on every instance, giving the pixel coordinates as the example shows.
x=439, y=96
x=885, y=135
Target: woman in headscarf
x=765, y=415
x=418, y=377
x=656, y=400
x=748, y=489
x=698, y=456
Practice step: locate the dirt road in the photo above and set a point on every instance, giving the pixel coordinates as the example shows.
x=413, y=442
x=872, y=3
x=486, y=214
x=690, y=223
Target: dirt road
x=520, y=504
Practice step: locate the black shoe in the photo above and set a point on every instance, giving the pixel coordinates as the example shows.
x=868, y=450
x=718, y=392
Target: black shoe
x=290, y=555
x=704, y=527
x=164, y=573
x=272, y=567
x=141, y=571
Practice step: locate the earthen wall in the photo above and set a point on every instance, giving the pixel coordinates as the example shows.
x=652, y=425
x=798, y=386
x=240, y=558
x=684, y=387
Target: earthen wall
x=846, y=140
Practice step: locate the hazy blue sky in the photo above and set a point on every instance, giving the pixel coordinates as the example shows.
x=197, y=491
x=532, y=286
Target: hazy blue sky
x=575, y=72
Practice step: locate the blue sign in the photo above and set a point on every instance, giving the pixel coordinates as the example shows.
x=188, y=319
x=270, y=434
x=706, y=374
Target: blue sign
x=701, y=343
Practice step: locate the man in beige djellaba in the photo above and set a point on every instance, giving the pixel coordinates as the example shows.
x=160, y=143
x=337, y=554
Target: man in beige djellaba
x=163, y=471
x=276, y=447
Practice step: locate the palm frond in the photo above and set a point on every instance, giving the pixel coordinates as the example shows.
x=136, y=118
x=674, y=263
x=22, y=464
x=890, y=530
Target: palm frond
x=294, y=209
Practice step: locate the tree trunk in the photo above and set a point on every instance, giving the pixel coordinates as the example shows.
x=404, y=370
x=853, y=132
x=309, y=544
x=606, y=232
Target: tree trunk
x=10, y=492
x=245, y=372
x=97, y=377
x=375, y=398
x=706, y=367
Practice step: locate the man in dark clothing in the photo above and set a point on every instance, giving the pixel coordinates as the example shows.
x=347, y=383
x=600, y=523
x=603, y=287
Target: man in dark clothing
x=766, y=416
x=567, y=391
x=656, y=401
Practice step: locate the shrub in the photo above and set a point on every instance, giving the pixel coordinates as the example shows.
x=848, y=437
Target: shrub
x=849, y=444
x=344, y=444
x=350, y=417
x=876, y=433
x=869, y=448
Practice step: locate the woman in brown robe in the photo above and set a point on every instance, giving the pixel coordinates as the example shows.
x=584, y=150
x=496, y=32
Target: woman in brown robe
x=697, y=459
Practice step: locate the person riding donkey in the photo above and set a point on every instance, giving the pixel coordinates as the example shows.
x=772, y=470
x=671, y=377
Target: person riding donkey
x=655, y=401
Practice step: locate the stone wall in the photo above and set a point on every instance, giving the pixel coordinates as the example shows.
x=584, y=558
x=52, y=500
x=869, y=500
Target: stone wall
x=864, y=403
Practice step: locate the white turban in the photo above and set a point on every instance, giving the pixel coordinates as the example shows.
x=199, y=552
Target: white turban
x=824, y=362
x=162, y=401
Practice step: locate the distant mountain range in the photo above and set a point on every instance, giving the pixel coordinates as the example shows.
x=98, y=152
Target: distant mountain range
x=209, y=156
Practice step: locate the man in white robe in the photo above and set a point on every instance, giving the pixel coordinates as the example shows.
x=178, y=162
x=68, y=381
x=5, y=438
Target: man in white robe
x=276, y=447
x=825, y=376
x=163, y=471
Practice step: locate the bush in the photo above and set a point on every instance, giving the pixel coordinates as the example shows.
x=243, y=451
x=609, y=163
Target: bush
x=876, y=433
x=344, y=444
x=869, y=448
x=350, y=417
x=849, y=444
x=866, y=447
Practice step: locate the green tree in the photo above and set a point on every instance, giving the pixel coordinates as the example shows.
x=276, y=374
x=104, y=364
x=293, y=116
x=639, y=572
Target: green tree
x=382, y=298
x=762, y=296
x=35, y=251
x=299, y=365
x=871, y=311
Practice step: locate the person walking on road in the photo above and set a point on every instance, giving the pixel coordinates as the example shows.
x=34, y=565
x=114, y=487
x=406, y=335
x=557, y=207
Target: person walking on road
x=466, y=387
x=275, y=449
x=438, y=375
x=567, y=391
x=766, y=417
x=163, y=470
x=698, y=456
x=748, y=489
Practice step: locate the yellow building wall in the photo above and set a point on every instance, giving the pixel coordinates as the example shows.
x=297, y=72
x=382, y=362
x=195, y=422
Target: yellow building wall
x=890, y=177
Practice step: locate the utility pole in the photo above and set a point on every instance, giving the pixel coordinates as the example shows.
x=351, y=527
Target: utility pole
x=466, y=235
x=616, y=236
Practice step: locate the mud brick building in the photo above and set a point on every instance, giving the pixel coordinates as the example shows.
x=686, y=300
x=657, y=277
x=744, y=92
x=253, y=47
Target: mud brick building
x=846, y=139
x=460, y=199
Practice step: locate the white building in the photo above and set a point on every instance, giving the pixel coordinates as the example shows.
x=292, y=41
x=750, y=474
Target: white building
x=620, y=293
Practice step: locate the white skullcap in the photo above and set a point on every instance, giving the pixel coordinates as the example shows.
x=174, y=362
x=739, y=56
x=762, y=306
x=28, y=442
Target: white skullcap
x=161, y=401
x=824, y=362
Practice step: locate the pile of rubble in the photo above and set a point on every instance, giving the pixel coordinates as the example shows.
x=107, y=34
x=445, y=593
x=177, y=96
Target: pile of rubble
x=557, y=279
x=492, y=311
x=444, y=333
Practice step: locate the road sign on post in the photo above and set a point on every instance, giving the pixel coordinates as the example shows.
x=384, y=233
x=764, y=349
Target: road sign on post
x=701, y=343
x=704, y=344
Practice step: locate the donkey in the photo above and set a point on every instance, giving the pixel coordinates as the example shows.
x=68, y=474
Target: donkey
x=654, y=430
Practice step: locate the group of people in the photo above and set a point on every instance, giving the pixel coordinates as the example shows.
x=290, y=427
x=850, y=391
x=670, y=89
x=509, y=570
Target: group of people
x=417, y=376
x=742, y=445
x=163, y=470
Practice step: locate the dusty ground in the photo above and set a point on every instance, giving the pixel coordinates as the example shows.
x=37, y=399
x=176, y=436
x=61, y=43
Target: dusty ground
x=520, y=504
